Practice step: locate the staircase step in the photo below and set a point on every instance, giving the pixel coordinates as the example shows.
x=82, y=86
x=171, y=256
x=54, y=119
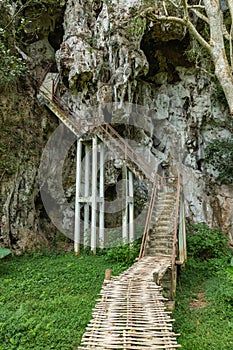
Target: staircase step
x=161, y=245
x=161, y=206
x=155, y=252
x=156, y=236
x=165, y=237
x=163, y=219
x=158, y=252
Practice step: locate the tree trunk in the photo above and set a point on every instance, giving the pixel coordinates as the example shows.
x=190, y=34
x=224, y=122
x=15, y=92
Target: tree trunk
x=222, y=67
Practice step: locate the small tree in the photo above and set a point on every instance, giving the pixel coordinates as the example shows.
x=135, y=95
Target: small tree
x=218, y=43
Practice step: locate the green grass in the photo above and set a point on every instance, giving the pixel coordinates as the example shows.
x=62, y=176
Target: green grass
x=208, y=326
x=46, y=301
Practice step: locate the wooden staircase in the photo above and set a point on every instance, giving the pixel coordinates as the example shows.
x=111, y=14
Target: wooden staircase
x=160, y=238
x=158, y=254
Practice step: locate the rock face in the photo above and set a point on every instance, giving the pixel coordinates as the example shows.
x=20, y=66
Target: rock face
x=108, y=55
x=25, y=127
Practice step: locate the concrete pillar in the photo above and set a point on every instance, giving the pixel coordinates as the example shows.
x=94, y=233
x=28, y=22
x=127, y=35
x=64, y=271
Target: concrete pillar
x=131, y=207
x=101, y=197
x=77, y=236
x=124, y=204
x=86, y=195
x=94, y=194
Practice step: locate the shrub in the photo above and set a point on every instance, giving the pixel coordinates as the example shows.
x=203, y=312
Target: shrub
x=219, y=153
x=125, y=253
x=205, y=243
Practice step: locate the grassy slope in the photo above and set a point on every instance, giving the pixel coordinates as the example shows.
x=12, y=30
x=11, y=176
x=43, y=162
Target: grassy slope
x=46, y=302
x=204, y=308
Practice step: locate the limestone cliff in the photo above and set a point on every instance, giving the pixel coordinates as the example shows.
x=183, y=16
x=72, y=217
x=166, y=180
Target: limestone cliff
x=107, y=55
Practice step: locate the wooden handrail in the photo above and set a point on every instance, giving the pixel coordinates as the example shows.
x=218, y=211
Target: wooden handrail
x=44, y=74
x=58, y=104
x=132, y=150
x=129, y=152
x=148, y=219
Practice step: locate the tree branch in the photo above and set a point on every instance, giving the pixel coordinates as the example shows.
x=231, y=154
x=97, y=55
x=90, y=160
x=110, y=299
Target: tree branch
x=165, y=8
x=200, y=15
x=230, y=5
x=16, y=14
x=196, y=7
x=186, y=23
x=185, y=7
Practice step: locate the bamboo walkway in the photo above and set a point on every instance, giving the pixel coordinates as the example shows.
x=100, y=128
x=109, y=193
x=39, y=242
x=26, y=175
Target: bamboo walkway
x=131, y=313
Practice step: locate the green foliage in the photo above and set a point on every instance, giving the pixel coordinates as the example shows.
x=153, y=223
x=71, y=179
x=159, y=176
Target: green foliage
x=219, y=153
x=124, y=253
x=137, y=26
x=8, y=162
x=11, y=67
x=4, y=252
x=46, y=301
x=204, y=304
x=205, y=243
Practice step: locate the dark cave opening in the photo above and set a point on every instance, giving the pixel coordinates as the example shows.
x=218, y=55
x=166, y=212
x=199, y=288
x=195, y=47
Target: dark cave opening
x=55, y=37
x=164, y=57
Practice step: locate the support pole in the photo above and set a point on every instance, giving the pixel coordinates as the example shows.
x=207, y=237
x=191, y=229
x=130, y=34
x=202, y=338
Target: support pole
x=131, y=207
x=124, y=205
x=182, y=234
x=101, y=195
x=77, y=237
x=86, y=195
x=94, y=194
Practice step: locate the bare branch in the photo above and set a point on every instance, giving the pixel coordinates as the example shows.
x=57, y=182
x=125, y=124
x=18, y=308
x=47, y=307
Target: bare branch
x=165, y=8
x=183, y=22
x=200, y=15
x=174, y=4
x=230, y=5
x=185, y=6
x=231, y=49
x=17, y=13
x=202, y=7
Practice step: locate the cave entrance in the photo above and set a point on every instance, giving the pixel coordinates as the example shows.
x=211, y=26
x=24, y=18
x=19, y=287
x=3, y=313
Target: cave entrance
x=164, y=55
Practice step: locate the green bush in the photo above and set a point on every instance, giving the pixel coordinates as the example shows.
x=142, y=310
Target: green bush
x=11, y=66
x=125, y=253
x=205, y=243
x=219, y=153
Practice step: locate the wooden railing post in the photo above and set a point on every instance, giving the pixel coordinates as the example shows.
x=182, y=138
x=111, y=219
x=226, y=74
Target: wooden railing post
x=148, y=218
x=175, y=236
x=53, y=90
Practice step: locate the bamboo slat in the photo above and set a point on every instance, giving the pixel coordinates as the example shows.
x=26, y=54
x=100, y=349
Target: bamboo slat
x=130, y=314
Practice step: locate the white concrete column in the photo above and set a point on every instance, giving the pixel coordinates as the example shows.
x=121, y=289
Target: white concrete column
x=131, y=207
x=86, y=195
x=77, y=236
x=94, y=194
x=124, y=205
x=101, y=195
